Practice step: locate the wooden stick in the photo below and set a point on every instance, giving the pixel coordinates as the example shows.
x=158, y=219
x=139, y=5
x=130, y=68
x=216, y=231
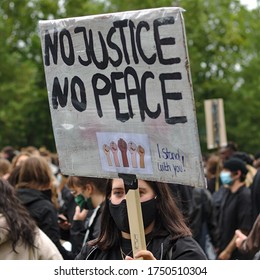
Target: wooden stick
x=134, y=212
x=135, y=218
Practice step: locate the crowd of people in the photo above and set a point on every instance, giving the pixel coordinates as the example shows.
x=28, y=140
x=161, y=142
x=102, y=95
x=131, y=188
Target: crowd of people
x=47, y=215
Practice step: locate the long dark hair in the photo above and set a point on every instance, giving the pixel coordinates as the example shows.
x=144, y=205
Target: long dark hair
x=169, y=219
x=20, y=225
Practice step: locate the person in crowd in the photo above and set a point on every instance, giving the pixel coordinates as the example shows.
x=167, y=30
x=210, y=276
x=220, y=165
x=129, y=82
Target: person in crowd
x=197, y=207
x=8, y=152
x=14, y=176
x=34, y=191
x=256, y=162
x=5, y=168
x=249, y=165
x=227, y=151
x=255, y=194
x=203, y=221
x=90, y=194
x=167, y=236
x=20, y=238
x=249, y=244
x=213, y=167
x=33, y=151
x=19, y=158
x=235, y=209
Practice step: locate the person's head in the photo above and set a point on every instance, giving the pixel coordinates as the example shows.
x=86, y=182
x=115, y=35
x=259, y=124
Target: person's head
x=18, y=220
x=245, y=157
x=256, y=162
x=234, y=170
x=227, y=151
x=213, y=164
x=161, y=215
x=8, y=153
x=35, y=173
x=18, y=159
x=13, y=178
x=33, y=151
x=5, y=167
x=89, y=192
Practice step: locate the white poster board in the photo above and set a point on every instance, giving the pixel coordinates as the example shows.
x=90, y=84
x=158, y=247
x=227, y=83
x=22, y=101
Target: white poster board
x=121, y=97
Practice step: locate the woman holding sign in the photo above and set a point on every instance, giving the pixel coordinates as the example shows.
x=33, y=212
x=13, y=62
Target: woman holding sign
x=167, y=236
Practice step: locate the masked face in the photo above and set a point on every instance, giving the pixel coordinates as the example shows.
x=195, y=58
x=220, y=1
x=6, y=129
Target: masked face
x=84, y=203
x=120, y=217
x=226, y=178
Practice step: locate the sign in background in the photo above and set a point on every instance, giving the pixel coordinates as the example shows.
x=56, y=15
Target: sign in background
x=215, y=123
x=121, y=97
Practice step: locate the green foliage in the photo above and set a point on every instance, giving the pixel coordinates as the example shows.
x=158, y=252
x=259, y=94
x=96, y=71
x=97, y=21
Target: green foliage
x=223, y=42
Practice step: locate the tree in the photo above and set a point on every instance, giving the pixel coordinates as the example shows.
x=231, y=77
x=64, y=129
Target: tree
x=223, y=48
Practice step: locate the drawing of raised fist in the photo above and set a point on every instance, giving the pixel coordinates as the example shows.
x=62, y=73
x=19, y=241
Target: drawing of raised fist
x=141, y=153
x=114, y=150
x=132, y=148
x=106, y=150
x=122, y=145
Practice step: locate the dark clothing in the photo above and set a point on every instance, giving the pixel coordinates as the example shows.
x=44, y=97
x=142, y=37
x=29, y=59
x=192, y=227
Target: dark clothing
x=44, y=213
x=235, y=213
x=82, y=232
x=184, y=198
x=163, y=248
x=255, y=194
x=69, y=205
x=204, y=215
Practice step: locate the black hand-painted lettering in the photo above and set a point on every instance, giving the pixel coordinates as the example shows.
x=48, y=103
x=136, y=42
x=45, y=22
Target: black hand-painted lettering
x=143, y=100
x=115, y=47
x=59, y=97
x=132, y=36
x=85, y=38
x=70, y=58
x=116, y=96
x=164, y=41
x=50, y=46
x=81, y=104
x=103, y=63
x=143, y=24
x=100, y=91
x=171, y=96
x=121, y=24
x=130, y=72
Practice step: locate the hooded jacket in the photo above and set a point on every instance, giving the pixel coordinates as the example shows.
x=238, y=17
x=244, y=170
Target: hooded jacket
x=44, y=213
x=44, y=247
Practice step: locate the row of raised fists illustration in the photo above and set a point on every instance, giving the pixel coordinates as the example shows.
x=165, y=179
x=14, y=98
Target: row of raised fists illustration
x=122, y=145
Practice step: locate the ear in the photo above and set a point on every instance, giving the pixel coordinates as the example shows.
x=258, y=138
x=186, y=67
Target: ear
x=89, y=188
x=238, y=173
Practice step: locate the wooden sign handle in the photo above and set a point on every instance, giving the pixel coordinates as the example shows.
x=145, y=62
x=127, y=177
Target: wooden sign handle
x=134, y=212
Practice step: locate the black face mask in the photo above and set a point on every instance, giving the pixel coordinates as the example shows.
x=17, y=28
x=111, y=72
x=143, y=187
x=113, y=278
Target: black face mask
x=120, y=217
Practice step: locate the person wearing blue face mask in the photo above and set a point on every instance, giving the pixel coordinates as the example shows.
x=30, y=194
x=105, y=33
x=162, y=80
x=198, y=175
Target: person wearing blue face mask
x=235, y=209
x=89, y=194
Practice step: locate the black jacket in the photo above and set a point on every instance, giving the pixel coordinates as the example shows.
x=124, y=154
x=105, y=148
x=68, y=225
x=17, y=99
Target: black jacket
x=44, y=213
x=163, y=248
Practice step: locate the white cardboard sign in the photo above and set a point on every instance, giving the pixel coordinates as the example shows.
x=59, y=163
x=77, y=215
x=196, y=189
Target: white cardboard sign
x=121, y=97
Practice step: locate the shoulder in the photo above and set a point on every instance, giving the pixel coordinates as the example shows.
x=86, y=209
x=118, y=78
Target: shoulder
x=4, y=230
x=186, y=248
x=45, y=247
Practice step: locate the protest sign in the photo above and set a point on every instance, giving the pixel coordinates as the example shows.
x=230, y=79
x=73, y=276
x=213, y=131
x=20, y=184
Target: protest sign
x=121, y=97
x=215, y=123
